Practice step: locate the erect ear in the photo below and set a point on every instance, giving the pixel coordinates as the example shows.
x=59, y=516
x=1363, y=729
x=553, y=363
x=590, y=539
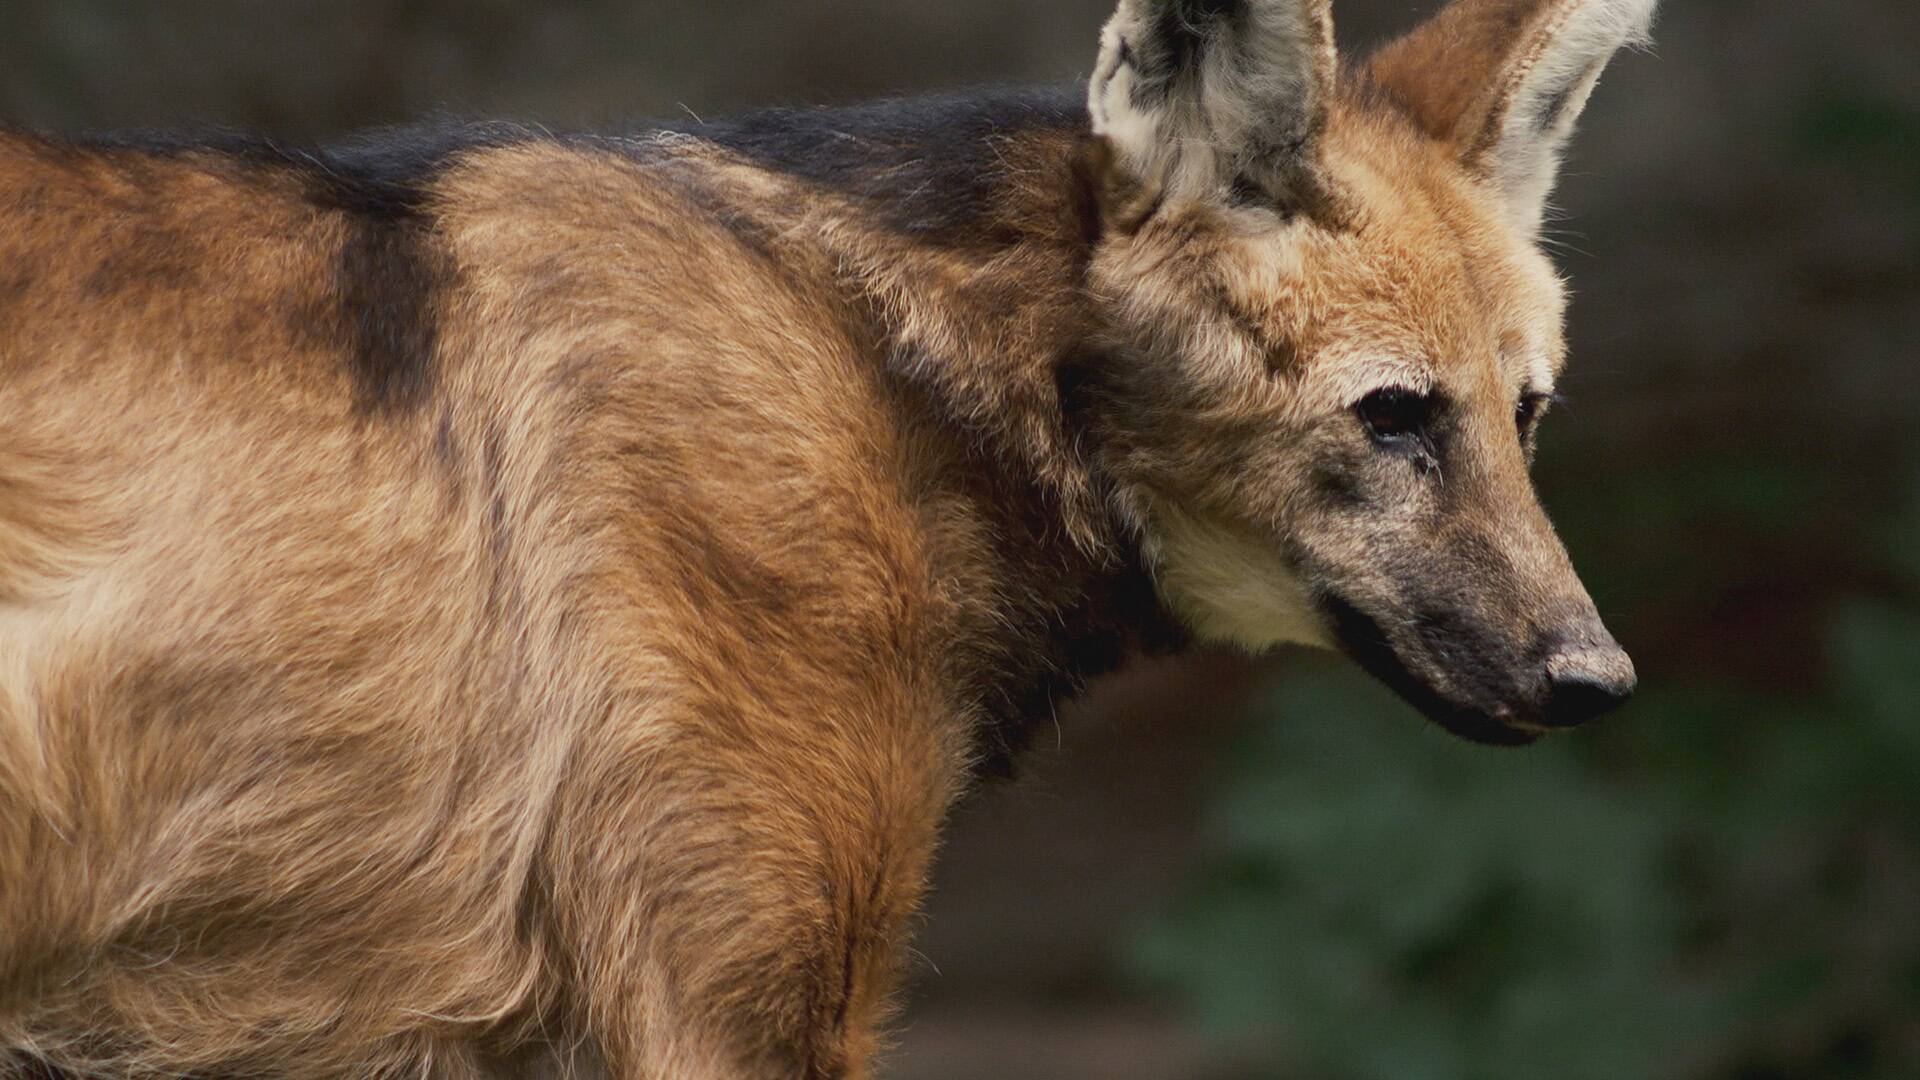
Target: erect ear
x=1504, y=81
x=1215, y=98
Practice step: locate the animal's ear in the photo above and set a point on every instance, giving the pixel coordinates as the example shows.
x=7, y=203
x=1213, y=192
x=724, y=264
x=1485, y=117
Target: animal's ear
x=1504, y=80
x=1214, y=98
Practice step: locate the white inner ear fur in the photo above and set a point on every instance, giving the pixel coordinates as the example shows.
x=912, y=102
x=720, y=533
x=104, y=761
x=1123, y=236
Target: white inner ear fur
x=1262, y=87
x=1547, y=91
x=1228, y=585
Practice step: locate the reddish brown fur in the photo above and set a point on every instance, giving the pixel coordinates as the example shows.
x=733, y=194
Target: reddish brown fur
x=373, y=703
x=550, y=619
x=1439, y=75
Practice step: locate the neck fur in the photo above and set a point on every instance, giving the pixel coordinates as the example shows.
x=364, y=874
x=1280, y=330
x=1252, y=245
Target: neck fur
x=963, y=226
x=959, y=231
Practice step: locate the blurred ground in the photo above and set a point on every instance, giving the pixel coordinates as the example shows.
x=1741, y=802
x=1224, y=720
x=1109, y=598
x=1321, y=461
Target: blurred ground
x=1225, y=870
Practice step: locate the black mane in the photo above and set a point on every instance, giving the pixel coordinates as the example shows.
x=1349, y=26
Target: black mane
x=930, y=157
x=927, y=165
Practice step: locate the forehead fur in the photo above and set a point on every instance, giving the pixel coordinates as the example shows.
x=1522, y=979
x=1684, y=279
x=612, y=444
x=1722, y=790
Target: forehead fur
x=1423, y=283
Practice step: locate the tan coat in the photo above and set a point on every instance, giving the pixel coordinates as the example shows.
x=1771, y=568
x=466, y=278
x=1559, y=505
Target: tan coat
x=491, y=597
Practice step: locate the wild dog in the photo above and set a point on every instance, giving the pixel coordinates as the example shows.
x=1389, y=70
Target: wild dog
x=485, y=596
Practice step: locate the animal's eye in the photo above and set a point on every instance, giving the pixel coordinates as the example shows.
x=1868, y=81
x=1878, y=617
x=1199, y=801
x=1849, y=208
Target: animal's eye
x=1527, y=413
x=1395, y=413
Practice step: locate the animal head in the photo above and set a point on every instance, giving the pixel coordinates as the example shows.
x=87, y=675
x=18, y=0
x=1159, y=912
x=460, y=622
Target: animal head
x=1331, y=335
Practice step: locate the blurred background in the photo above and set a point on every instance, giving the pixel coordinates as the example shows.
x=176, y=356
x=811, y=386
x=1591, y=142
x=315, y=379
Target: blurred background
x=1216, y=869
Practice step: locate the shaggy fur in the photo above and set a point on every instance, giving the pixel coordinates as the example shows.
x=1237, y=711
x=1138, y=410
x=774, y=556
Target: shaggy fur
x=480, y=601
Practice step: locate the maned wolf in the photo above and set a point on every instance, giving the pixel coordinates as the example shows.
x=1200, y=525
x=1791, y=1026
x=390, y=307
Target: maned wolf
x=488, y=599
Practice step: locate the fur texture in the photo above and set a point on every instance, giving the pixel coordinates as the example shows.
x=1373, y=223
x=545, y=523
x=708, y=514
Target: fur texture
x=1549, y=54
x=1197, y=95
x=482, y=602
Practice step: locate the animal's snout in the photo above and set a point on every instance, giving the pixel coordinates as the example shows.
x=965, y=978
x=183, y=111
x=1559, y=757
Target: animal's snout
x=1586, y=680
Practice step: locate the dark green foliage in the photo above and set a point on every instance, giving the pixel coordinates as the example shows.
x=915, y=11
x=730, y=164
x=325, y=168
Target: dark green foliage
x=1720, y=884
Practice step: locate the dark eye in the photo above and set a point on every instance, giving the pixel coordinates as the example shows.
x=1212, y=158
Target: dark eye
x=1527, y=413
x=1395, y=413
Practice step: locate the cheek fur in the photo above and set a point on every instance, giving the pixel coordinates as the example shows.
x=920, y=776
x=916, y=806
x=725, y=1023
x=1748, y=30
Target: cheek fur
x=1230, y=585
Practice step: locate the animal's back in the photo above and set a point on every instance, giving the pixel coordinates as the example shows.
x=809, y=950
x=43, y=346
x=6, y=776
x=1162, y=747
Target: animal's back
x=333, y=510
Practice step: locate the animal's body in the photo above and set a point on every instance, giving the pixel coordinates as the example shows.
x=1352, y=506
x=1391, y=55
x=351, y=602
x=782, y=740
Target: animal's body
x=490, y=596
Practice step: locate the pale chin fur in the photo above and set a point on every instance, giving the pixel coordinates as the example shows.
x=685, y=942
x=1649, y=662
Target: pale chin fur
x=1228, y=586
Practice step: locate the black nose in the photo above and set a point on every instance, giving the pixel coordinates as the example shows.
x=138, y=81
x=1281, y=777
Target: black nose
x=1585, y=683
